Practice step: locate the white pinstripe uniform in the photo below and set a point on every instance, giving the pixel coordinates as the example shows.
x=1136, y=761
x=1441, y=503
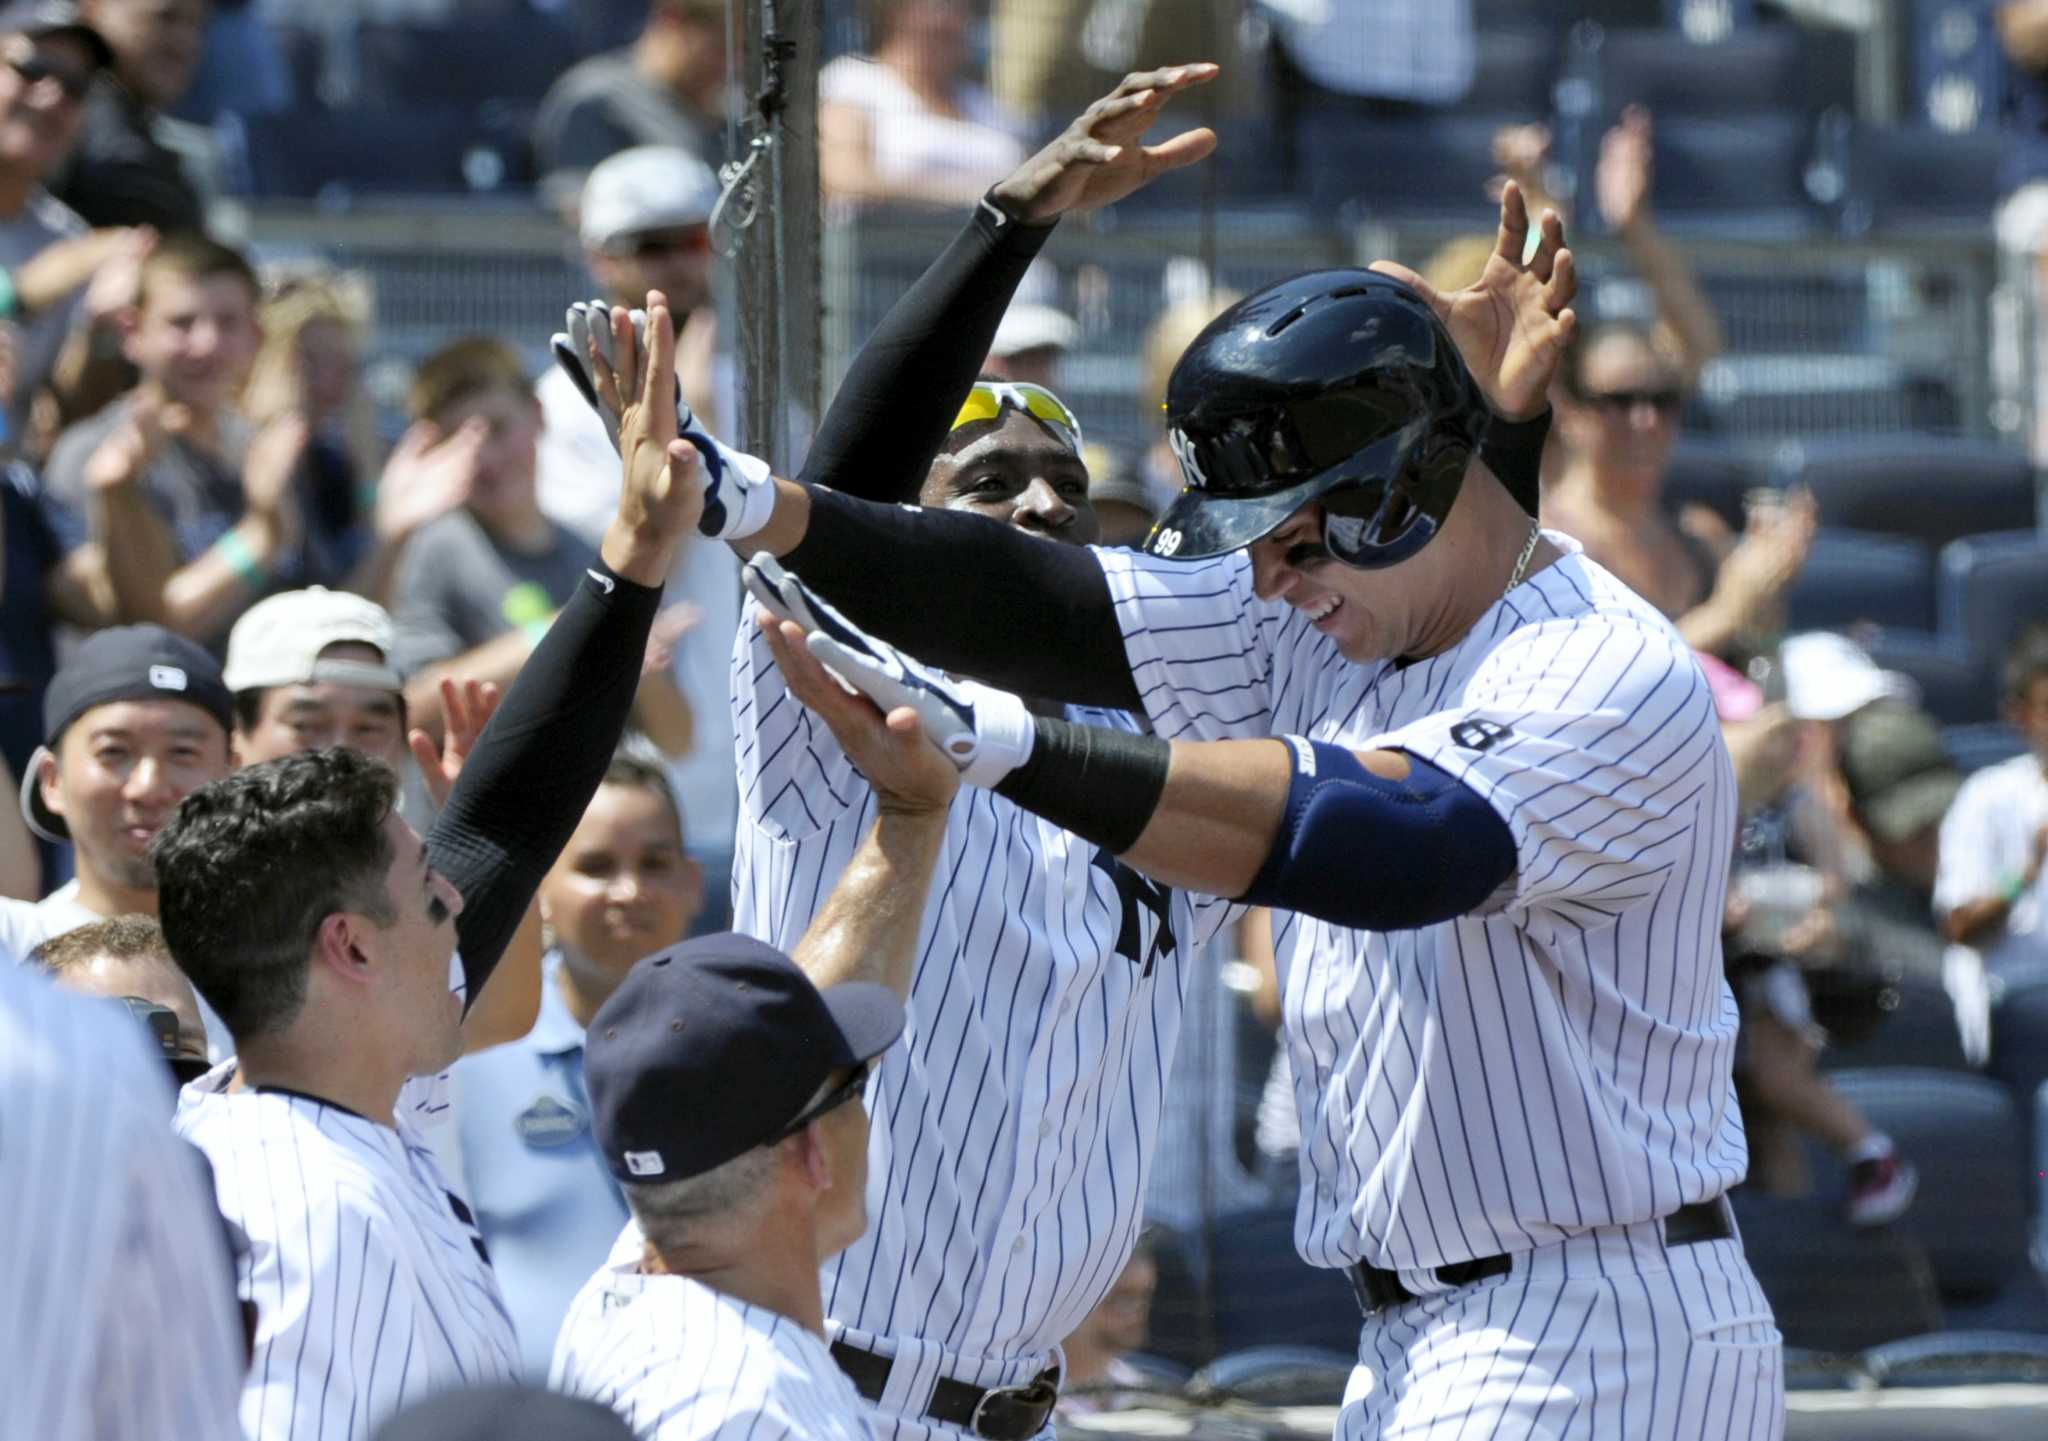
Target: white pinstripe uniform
x=116, y=1314
x=1013, y=1131
x=370, y=1280
x=1544, y=1079
x=683, y=1362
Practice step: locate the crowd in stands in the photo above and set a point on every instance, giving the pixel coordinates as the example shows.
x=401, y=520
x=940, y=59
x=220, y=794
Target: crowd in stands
x=214, y=557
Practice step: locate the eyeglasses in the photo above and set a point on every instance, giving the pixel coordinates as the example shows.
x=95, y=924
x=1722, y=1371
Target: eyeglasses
x=34, y=70
x=989, y=398
x=845, y=1091
x=1664, y=402
x=694, y=240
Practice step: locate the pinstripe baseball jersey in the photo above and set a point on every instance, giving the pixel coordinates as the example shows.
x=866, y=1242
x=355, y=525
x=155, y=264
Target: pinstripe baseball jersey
x=371, y=1283
x=117, y=1316
x=1013, y=1131
x=1561, y=1059
x=683, y=1362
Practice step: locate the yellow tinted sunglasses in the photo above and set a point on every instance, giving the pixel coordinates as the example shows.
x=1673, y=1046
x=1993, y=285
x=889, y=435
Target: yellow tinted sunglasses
x=989, y=398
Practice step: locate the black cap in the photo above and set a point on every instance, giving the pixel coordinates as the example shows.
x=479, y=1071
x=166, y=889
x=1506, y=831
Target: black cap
x=38, y=18
x=505, y=1413
x=128, y=662
x=712, y=1047
x=1900, y=779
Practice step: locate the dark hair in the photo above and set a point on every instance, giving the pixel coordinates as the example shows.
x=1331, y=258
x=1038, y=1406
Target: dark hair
x=198, y=257
x=635, y=771
x=2026, y=662
x=124, y=938
x=474, y=365
x=248, y=867
x=1573, y=373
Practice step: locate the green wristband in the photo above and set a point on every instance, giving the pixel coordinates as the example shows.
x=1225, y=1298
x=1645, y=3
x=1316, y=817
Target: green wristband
x=2013, y=888
x=235, y=552
x=10, y=298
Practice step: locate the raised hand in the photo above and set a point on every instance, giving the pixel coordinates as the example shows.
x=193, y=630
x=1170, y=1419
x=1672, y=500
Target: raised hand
x=986, y=733
x=1514, y=323
x=1098, y=159
x=1621, y=178
x=468, y=706
x=427, y=475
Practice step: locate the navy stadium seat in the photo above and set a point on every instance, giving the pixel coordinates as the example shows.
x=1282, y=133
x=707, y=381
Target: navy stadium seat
x=1752, y=72
x=1276, y=1376
x=1932, y=489
x=1917, y=178
x=1960, y=1358
x=1856, y=577
x=1433, y=167
x=1834, y=1289
x=1989, y=588
x=1964, y=1134
x=1513, y=70
x=1264, y=1293
x=1973, y=747
x=1702, y=473
x=1745, y=174
x=443, y=149
x=461, y=64
x=1955, y=687
x=2019, y=1036
x=1918, y=1028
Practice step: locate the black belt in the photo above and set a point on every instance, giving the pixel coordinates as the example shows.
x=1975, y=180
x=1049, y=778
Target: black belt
x=1688, y=1225
x=1001, y=1413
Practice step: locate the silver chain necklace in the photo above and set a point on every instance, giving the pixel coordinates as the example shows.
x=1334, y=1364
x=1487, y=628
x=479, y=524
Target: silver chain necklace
x=1528, y=553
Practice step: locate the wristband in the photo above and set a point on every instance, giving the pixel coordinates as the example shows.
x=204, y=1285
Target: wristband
x=10, y=298
x=236, y=555
x=2012, y=888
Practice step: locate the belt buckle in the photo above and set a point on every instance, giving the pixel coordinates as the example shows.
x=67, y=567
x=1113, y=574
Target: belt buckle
x=1037, y=1392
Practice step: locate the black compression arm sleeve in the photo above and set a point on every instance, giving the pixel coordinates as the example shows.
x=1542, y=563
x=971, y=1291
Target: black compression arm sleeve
x=1513, y=451
x=971, y=595
x=537, y=764
x=892, y=410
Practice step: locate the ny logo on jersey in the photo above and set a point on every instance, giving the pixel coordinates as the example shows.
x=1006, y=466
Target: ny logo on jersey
x=1134, y=891
x=1479, y=735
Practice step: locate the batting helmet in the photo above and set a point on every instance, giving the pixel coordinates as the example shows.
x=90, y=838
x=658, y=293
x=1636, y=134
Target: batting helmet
x=1340, y=386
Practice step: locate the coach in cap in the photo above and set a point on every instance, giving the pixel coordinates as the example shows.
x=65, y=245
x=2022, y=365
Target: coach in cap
x=134, y=721
x=726, y=1099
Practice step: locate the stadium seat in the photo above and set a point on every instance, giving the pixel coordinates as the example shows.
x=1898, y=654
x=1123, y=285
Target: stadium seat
x=1919, y=179
x=1964, y=1134
x=1435, y=167
x=1973, y=747
x=1918, y=1029
x=1743, y=174
x=1955, y=688
x=1890, y=484
x=336, y=154
x=1514, y=67
x=1752, y=72
x=465, y=65
x=1988, y=588
x=1275, y=1376
x=1960, y=1358
x=1715, y=476
x=2019, y=1039
x=1856, y=577
x=1835, y=1290
x=1266, y=1295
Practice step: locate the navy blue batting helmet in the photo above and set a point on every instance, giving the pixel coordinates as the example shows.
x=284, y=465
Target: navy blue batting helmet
x=1339, y=386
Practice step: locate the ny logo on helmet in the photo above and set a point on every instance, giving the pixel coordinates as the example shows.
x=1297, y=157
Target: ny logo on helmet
x=1184, y=452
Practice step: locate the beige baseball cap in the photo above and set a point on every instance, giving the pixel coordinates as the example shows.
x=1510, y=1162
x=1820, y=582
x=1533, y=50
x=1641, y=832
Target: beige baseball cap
x=279, y=641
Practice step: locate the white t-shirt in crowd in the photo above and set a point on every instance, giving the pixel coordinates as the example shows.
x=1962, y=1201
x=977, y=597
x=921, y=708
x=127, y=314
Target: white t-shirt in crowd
x=1988, y=837
x=910, y=142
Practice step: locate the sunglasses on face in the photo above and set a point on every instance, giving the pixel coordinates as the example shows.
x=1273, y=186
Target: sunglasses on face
x=1664, y=402
x=845, y=1091
x=990, y=398
x=34, y=70
x=695, y=240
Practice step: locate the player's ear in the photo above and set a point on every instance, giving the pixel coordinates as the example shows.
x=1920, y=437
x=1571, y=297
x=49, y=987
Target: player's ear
x=339, y=946
x=815, y=1157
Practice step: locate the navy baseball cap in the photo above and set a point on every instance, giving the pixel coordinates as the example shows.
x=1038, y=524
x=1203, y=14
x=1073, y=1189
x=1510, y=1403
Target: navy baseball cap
x=712, y=1047
x=505, y=1413
x=37, y=18
x=126, y=662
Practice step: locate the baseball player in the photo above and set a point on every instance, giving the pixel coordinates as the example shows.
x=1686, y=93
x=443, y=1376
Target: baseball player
x=117, y=1316
x=321, y=928
x=1015, y=1130
x=1499, y=813
x=707, y=1318
x=1500, y=822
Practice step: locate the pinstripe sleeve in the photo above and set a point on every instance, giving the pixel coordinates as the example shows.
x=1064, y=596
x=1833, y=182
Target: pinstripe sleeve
x=1198, y=641
x=794, y=780
x=1596, y=741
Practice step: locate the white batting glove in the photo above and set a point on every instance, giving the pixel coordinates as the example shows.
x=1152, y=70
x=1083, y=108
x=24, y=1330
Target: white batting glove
x=986, y=732
x=739, y=491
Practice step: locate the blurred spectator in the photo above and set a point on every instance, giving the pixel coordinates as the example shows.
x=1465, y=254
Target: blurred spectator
x=477, y=588
x=1375, y=59
x=125, y=959
x=667, y=88
x=1030, y=343
x=135, y=721
x=624, y=888
x=905, y=123
x=312, y=668
x=1120, y=1324
x=1123, y=503
x=644, y=224
x=122, y=172
x=1617, y=413
x=1051, y=58
x=1988, y=889
x=2023, y=218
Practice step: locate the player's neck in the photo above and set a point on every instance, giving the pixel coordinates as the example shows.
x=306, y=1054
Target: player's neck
x=765, y=1271
x=1474, y=560
x=324, y=1061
